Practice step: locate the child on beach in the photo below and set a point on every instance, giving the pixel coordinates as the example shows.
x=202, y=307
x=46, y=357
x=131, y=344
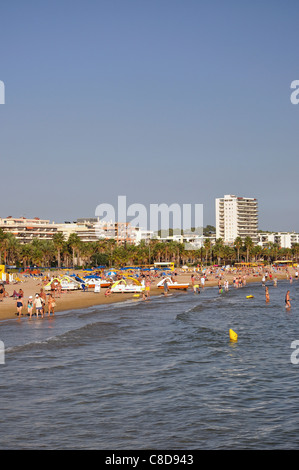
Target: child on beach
x=30, y=306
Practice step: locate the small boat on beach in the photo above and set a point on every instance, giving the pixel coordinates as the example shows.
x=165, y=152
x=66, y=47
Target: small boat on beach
x=172, y=284
x=65, y=283
x=93, y=281
x=128, y=285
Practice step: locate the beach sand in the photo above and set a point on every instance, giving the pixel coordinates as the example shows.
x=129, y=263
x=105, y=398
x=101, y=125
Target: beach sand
x=79, y=299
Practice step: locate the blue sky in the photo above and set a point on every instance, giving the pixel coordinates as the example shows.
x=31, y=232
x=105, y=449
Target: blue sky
x=162, y=101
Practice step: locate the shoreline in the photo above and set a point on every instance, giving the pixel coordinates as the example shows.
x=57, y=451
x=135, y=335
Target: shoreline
x=74, y=300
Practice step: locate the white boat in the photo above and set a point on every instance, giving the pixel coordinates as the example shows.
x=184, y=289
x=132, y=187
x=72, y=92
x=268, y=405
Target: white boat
x=129, y=285
x=172, y=285
x=65, y=282
x=94, y=281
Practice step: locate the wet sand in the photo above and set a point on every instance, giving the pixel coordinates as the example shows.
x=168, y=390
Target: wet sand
x=70, y=300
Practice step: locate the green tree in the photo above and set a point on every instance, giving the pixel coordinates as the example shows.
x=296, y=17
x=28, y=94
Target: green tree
x=26, y=254
x=74, y=242
x=248, y=244
x=208, y=248
x=59, y=242
x=238, y=243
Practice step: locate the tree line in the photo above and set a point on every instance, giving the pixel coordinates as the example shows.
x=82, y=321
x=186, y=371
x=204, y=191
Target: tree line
x=74, y=252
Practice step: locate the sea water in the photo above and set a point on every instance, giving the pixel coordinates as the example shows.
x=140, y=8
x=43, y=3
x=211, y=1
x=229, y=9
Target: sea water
x=157, y=374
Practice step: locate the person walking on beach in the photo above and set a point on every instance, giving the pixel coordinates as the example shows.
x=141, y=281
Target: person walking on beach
x=30, y=306
x=1, y=292
x=196, y=289
x=38, y=305
x=165, y=287
x=44, y=299
x=19, y=305
x=51, y=304
x=148, y=287
x=288, y=300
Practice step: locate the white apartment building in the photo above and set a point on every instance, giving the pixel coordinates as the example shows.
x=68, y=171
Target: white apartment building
x=282, y=239
x=25, y=230
x=236, y=217
x=140, y=235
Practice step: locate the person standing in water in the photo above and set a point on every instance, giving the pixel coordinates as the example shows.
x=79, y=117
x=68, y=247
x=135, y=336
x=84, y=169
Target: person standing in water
x=267, y=294
x=165, y=287
x=19, y=305
x=30, y=306
x=288, y=300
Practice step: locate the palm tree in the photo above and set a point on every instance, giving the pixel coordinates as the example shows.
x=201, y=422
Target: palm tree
x=111, y=244
x=257, y=252
x=48, y=250
x=157, y=251
x=75, y=244
x=219, y=249
x=37, y=253
x=87, y=251
x=59, y=241
x=207, y=245
x=26, y=254
x=120, y=256
x=248, y=244
x=295, y=251
x=238, y=243
x=13, y=248
x=3, y=244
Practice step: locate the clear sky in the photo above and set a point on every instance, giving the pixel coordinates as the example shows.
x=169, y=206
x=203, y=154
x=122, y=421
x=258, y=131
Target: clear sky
x=164, y=101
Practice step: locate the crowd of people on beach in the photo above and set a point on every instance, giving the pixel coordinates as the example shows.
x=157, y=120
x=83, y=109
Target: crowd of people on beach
x=41, y=304
x=240, y=279
x=37, y=305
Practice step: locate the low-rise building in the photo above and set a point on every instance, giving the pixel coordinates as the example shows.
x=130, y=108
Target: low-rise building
x=26, y=230
x=282, y=239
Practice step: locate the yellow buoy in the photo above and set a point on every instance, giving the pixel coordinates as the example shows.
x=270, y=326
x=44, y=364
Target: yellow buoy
x=136, y=295
x=249, y=296
x=232, y=335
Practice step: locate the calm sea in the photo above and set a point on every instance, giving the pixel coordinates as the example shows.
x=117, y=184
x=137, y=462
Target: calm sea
x=155, y=375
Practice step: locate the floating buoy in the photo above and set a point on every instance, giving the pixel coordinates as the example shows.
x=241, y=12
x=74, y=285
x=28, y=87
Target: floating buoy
x=136, y=295
x=232, y=335
x=249, y=296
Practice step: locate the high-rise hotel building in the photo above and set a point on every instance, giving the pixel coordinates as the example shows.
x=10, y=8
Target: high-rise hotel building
x=236, y=217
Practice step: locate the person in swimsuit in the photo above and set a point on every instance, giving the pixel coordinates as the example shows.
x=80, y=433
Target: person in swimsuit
x=267, y=294
x=1, y=292
x=148, y=287
x=30, y=306
x=19, y=306
x=51, y=304
x=287, y=300
x=108, y=292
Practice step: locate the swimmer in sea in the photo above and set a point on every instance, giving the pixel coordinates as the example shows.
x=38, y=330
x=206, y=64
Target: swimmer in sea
x=287, y=300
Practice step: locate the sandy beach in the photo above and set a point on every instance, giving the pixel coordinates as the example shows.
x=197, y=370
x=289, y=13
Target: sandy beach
x=70, y=300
